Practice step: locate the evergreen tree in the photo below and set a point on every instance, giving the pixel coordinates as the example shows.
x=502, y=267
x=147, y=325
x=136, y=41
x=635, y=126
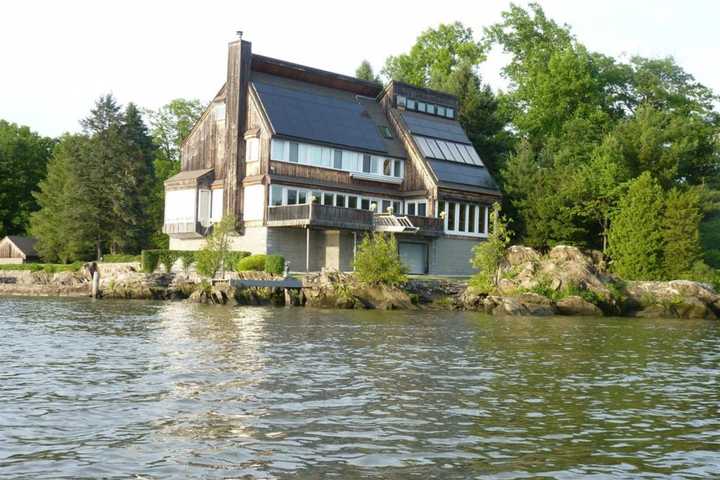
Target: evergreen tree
x=365, y=72
x=636, y=236
x=681, y=233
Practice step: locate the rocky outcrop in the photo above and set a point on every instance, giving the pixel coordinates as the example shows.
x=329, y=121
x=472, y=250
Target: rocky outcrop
x=526, y=304
x=673, y=299
x=333, y=289
x=575, y=305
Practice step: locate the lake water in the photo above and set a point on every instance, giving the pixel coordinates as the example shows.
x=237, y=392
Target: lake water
x=124, y=389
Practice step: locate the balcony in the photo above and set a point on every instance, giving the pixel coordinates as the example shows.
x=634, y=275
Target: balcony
x=326, y=216
x=185, y=230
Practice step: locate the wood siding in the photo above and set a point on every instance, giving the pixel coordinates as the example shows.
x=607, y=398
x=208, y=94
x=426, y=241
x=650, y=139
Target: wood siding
x=8, y=250
x=205, y=146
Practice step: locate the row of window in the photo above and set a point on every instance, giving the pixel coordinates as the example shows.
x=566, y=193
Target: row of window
x=425, y=107
x=464, y=218
x=444, y=150
x=280, y=195
x=315, y=155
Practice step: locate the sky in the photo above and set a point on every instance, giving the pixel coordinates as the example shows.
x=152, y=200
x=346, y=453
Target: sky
x=57, y=58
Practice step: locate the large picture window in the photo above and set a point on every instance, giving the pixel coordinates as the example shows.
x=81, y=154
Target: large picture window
x=282, y=195
x=462, y=218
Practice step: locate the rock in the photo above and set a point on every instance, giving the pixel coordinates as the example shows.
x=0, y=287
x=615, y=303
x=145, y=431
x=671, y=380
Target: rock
x=473, y=300
x=694, y=308
x=674, y=299
x=653, y=311
x=519, y=255
x=526, y=304
x=575, y=305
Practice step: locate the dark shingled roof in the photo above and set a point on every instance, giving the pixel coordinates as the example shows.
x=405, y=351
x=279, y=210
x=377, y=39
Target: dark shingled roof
x=305, y=111
x=436, y=127
x=462, y=174
x=25, y=244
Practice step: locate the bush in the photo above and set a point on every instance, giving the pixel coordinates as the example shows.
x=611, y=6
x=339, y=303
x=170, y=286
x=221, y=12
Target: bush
x=487, y=255
x=167, y=259
x=208, y=262
x=275, y=264
x=252, y=263
x=232, y=258
x=187, y=259
x=42, y=267
x=150, y=260
x=377, y=261
x=121, y=258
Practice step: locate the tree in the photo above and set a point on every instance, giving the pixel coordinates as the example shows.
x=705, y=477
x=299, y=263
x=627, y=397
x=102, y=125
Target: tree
x=377, y=261
x=58, y=223
x=487, y=255
x=636, y=237
x=23, y=161
x=365, y=72
x=211, y=258
x=681, y=233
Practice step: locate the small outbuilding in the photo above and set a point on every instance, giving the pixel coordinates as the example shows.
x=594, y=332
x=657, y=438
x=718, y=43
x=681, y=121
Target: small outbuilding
x=17, y=249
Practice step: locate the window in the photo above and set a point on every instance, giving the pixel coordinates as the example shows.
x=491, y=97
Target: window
x=441, y=208
x=387, y=167
x=352, y=201
x=451, y=216
x=422, y=209
x=366, y=164
x=397, y=169
x=410, y=104
x=292, y=197
x=328, y=198
x=294, y=152
x=302, y=197
x=397, y=207
x=422, y=107
x=252, y=149
x=449, y=112
x=276, y=193
x=316, y=197
x=219, y=112
x=339, y=200
x=337, y=159
x=472, y=219
x=441, y=110
x=411, y=208
x=462, y=217
x=374, y=165
x=385, y=131
x=350, y=161
x=400, y=101
x=431, y=108
x=365, y=204
x=386, y=204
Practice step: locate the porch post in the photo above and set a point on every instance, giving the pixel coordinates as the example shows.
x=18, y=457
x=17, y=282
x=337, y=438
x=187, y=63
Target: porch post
x=307, y=249
x=354, y=247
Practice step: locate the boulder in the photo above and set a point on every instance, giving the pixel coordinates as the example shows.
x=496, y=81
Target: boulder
x=575, y=305
x=674, y=299
x=519, y=255
x=526, y=304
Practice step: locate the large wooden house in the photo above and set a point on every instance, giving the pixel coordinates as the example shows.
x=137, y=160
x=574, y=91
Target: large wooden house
x=307, y=161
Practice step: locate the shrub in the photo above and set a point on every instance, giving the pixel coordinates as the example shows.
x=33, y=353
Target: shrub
x=487, y=255
x=232, y=258
x=253, y=262
x=187, y=259
x=377, y=261
x=167, y=259
x=275, y=264
x=150, y=260
x=208, y=262
x=40, y=267
x=213, y=256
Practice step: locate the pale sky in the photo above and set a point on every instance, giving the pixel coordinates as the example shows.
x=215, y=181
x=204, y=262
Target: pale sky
x=57, y=57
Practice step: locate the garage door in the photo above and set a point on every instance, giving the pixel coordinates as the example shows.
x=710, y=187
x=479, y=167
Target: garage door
x=414, y=256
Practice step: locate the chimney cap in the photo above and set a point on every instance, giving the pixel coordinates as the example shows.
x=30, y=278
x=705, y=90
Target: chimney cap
x=239, y=34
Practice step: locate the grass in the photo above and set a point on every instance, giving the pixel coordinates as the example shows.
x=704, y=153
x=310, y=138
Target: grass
x=42, y=267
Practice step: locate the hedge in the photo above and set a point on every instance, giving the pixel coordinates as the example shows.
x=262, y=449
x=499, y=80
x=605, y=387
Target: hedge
x=42, y=267
x=253, y=262
x=150, y=259
x=275, y=264
x=232, y=259
x=120, y=258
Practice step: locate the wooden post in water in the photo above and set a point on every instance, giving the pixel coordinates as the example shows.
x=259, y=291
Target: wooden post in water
x=95, y=282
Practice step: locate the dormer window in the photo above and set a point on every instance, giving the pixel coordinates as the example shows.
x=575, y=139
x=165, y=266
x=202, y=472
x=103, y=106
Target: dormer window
x=385, y=131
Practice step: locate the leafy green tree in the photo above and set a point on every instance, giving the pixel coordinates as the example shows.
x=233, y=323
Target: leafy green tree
x=365, y=72
x=23, y=161
x=377, y=261
x=487, y=255
x=681, y=232
x=212, y=257
x=636, y=238
x=58, y=223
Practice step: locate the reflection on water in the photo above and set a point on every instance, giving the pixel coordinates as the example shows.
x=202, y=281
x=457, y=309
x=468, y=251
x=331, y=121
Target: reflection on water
x=171, y=390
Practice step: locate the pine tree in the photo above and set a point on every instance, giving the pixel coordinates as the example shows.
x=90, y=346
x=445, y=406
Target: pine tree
x=365, y=72
x=681, y=233
x=636, y=237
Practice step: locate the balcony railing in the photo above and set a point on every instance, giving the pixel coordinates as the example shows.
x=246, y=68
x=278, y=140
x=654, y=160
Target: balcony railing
x=340, y=217
x=185, y=230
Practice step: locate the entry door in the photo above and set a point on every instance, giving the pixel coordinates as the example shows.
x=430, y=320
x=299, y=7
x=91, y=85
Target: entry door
x=414, y=256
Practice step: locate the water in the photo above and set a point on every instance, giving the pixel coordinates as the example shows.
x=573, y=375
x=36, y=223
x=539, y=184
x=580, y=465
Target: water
x=169, y=390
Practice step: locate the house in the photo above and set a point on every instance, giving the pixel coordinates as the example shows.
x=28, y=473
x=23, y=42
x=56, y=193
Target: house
x=16, y=249
x=308, y=161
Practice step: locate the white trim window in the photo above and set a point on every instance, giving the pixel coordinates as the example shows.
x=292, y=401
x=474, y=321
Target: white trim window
x=416, y=207
x=461, y=218
x=252, y=149
x=365, y=165
x=287, y=195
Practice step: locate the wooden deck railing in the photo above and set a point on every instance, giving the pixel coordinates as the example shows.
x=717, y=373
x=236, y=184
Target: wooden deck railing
x=427, y=225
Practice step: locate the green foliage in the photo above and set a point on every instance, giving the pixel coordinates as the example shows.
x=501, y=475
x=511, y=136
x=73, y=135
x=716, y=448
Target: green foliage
x=167, y=259
x=42, y=267
x=23, y=162
x=365, y=72
x=233, y=258
x=121, y=258
x=377, y=261
x=252, y=263
x=487, y=255
x=681, y=233
x=212, y=258
x=636, y=239
x=150, y=259
x=275, y=264
x=186, y=260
